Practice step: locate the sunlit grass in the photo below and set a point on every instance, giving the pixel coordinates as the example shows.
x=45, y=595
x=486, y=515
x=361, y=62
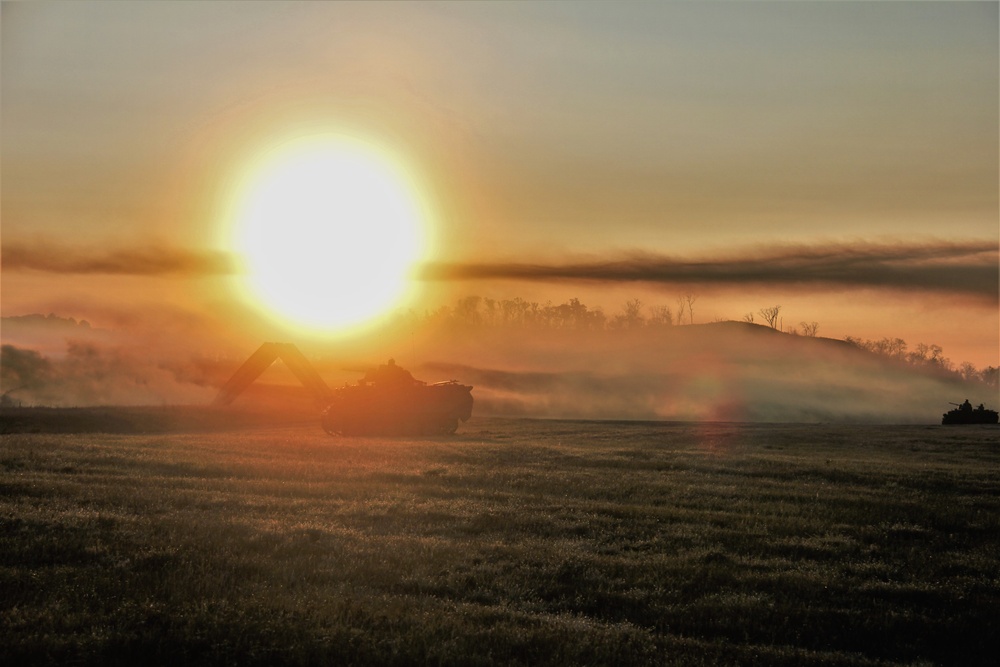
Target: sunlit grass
x=515, y=542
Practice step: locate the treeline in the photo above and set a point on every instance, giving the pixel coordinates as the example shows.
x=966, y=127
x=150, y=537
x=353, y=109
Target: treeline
x=927, y=356
x=477, y=312
x=474, y=312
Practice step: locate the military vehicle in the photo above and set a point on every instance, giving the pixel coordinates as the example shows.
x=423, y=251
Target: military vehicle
x=387, y=401
x=397, y=408
x=965, y=414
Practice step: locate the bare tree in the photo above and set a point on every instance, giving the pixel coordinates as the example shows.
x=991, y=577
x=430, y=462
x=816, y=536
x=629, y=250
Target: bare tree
x=491, y=312
x=690, y=299
x=929, y=355
x=809, y=328
x=631, y=315
x=661, y=316
x=467, y=310
x=748, y=318
x=770, y=315
x=633, y=310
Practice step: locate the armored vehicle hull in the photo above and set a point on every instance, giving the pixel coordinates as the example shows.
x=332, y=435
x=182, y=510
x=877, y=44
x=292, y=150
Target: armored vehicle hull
x=388, y=401
x=402, y=409
x=965, y=414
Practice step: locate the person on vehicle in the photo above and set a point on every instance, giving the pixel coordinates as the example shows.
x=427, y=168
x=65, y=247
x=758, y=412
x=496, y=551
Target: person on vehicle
x=390, y=375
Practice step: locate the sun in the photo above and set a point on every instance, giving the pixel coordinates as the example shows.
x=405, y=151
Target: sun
x=327, y=229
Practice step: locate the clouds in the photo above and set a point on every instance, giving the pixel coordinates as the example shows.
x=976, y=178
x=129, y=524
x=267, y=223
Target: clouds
x=968, y=268
x=148, y=260
x=964, y=268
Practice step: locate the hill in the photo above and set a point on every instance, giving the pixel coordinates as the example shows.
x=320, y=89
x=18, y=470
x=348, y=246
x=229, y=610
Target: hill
x=724, y=371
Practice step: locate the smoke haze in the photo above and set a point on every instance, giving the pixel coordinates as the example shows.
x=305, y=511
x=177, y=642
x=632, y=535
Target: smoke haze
x=727, y=371
x=90, y=374
x=61, y=362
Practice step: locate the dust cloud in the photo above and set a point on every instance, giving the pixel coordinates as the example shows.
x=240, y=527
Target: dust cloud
x=726, y=371
x=61, y=362
x=91, y=374
x=723, y=371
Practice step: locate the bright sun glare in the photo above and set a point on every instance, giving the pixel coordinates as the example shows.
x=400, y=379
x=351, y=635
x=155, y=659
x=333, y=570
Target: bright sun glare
x=328, y=229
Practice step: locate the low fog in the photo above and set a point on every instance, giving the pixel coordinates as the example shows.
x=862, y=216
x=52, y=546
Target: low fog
x=727, y=371
x=61, y=362
x=723, y=371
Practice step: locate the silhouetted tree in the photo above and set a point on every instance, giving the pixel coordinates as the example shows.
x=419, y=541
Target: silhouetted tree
x=631, y=315
x=690, y=299
x=770, y=315
x=895, y=347
x=475, y=311
x=660, y=316
x=490, y=312
x=929, y=355
x=513, y=312
x=467, y=310
x=574, y=315
x=969, y=372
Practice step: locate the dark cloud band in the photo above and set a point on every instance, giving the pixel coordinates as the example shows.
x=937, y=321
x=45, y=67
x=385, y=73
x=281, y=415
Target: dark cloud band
x=969, y=268
x=146, y=261
x=961, y=268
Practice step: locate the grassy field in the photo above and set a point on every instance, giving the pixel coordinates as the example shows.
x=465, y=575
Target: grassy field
x=513, y=542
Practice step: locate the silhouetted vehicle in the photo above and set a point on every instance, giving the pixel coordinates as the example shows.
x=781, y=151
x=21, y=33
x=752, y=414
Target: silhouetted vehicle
x=965, y=414
x=387, y=401
x=385, y=407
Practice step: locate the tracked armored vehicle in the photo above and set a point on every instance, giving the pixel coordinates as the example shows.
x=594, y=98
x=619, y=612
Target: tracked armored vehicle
x=387, y=401
x=391, y=402
x=965, y=414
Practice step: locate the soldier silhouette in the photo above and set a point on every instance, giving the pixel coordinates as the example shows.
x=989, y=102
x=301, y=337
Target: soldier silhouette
x=390, y=374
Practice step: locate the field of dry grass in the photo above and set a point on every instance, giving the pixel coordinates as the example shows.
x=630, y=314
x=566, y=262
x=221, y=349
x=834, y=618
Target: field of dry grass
x=513, y=542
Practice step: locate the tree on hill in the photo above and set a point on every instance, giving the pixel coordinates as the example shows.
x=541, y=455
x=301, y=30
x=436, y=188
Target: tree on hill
x=478, y=313
x=809, y=328
x=631, y=316
x=770, y=315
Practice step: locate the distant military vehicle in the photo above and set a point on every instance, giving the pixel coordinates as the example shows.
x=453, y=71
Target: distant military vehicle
x=965, y=414
x=387, y=401
x=390, y=402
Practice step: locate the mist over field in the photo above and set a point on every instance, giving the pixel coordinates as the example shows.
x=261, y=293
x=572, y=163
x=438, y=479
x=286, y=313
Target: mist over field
x=60, y=362
x=725, y=371
x=729, y=371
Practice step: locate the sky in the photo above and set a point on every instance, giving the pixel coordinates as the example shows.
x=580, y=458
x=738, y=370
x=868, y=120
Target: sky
x=837, y=159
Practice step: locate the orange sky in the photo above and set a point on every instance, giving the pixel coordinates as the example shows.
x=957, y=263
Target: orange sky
x=551, y=134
